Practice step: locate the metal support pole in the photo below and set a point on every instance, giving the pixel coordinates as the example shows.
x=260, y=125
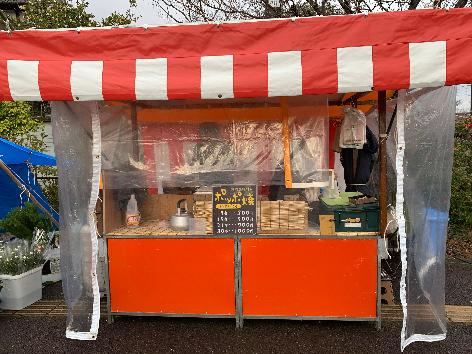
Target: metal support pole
x=378, y=322
x=238, y=283
x=110, y=318
x=382, y=108
x=20, y=185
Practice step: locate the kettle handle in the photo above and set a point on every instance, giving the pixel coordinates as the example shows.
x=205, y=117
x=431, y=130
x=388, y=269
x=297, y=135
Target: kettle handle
x=179, y=203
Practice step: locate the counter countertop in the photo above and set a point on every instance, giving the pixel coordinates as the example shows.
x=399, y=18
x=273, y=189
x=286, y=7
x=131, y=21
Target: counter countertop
x=156, y=228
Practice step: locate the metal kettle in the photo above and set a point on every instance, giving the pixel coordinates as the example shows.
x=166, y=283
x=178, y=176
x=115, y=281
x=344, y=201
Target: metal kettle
x=180, y=221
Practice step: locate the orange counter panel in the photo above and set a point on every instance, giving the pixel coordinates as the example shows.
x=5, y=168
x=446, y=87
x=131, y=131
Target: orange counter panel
x=309, y=277
x=179, y=276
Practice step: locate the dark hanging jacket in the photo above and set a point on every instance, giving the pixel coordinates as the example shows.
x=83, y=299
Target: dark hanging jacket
x=357, y=178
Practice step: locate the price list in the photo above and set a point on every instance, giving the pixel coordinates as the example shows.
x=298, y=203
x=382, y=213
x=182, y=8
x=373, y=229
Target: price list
x=234, y=210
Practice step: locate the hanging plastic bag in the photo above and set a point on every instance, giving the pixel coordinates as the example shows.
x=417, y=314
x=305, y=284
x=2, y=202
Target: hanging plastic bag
x=353, y=129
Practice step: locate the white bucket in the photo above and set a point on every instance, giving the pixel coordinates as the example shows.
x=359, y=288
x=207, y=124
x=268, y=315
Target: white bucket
x=20, y=291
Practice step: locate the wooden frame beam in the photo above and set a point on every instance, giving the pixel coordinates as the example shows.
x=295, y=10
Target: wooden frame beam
x=286, y=141
x=382, y=109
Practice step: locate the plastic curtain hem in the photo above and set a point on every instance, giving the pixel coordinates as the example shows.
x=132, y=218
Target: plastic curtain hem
x=399, y=207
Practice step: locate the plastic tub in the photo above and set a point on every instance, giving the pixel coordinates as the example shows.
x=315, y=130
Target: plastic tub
x=20, y=291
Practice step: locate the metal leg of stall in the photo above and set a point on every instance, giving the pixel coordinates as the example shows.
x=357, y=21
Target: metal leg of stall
x=378, y=323
x=238, y=283
x=110, y=318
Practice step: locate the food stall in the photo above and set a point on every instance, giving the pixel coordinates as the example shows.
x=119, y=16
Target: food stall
x=212, y=145
x=254, y=248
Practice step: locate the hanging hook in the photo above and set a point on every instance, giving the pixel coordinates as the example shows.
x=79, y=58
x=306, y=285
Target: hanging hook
x=23, y=189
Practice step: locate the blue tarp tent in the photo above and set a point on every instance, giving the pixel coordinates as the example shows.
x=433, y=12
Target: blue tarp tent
x=17, y=158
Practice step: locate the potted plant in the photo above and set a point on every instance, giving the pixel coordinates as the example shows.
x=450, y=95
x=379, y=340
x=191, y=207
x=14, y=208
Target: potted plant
x=21, y=262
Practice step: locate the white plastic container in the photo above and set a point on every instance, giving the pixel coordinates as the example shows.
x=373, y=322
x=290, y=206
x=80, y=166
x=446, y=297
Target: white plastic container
x=133, y=217
x=20, y=291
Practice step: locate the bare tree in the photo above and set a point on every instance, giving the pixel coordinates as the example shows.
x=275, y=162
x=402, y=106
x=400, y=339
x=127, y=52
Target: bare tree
x=222, y=10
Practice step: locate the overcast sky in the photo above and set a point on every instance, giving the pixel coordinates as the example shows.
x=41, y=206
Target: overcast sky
x=149, y=14
x=463, y=97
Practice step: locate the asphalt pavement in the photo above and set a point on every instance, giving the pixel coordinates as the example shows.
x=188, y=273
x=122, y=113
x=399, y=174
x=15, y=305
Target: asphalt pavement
x=172, y=335
x=189, y=335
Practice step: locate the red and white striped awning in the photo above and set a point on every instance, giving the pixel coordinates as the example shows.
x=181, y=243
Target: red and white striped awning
x=423, y=48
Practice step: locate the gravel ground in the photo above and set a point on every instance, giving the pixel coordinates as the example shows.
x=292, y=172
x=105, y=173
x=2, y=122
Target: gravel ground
x=170, y=335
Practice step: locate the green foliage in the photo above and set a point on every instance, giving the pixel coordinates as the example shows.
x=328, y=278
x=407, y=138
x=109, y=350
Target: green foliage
x=49, y=187
x=116, y=19
x=67, y=14
x=55, y=14
x=21, y=222
x=461, y=189
x=18, y=124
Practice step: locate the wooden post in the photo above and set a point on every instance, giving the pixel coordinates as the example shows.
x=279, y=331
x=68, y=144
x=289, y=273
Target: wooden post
x=382, y=108
x=20, y=185
x=286, y=141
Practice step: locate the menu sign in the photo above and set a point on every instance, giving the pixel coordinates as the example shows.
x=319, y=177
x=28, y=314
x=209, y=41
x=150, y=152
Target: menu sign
x=234, y=210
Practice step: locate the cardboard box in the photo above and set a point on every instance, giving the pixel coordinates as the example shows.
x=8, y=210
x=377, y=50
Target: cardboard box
x=327, y=226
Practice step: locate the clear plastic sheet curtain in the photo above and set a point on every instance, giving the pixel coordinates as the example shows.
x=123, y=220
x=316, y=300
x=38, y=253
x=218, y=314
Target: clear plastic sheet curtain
x=425, y=126
x=76, y=132
x=192, y=144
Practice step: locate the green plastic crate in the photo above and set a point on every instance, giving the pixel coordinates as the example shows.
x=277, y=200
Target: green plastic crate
x=353, y=218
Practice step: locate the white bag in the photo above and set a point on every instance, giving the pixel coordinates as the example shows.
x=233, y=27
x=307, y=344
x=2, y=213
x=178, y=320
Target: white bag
x=353, y=129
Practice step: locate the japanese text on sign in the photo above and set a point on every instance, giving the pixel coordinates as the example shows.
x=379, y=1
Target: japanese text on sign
x=234, y=210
